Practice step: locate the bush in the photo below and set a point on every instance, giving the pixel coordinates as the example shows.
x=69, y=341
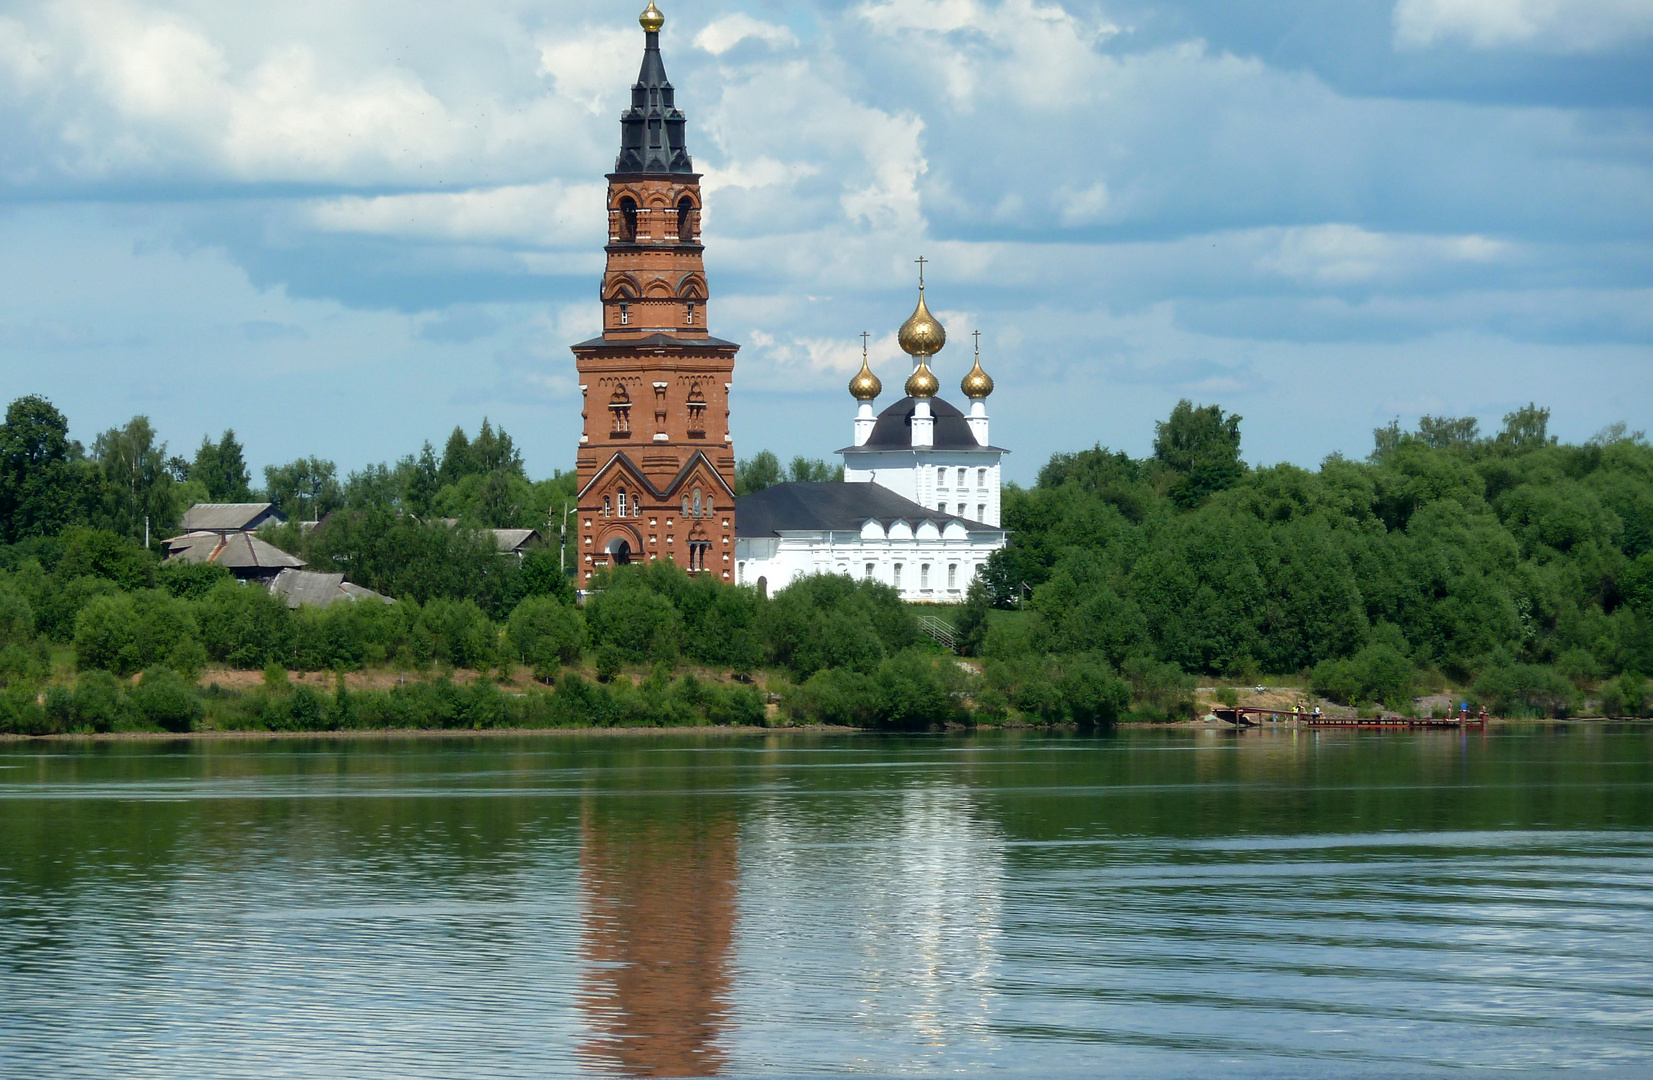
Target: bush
x=461, y=634
x=1624, y=696
x=244, y=626
x=1161, y=688
x=127, y=632
x=191, y=581
x=163, y=699
x=1525, y=690
x=609, y=661
x=1091, y=694
x=546, y=633
x=638, y=622
x=1379, y=672
x=100, y=702
x=1228, y=696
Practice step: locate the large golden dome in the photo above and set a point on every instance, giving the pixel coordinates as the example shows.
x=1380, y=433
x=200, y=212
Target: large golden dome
x=651, y=19
x=977, y=383
x=865, y=386
x=921, y=335
x=922, y=383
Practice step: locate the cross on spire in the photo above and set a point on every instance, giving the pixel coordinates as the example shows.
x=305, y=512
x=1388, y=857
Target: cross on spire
x=864, y=337
x=977, y=335
x=921, y=260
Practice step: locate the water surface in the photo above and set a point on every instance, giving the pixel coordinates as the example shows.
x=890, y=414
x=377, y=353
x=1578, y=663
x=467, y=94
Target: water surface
x=1149, y=904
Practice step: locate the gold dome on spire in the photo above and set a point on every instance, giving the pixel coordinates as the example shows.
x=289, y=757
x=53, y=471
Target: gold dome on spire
x=977, y=383
x=921, y=334
x=922, y=383
x=651, y=19
x=865, y=386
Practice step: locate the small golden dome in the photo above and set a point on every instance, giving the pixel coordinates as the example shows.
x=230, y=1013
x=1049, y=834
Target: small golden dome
x=978, y=383
x=921, y=335
x=651, y=19
x=865, y=386
x=921, y=383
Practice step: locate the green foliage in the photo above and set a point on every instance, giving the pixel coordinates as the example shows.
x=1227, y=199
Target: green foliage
x=127, y=632
x=1200, y=448
x=221, y=468
x=163, y=699
x=1525, y=690
x=912, y=689
x=137, y=486
x=610, y=659
x=44, y=483
x=191, y=581
x=830, y=621
x=546, y=633
x=461, y=634
x=244, y=626
x=760, y=471
x=306, y=489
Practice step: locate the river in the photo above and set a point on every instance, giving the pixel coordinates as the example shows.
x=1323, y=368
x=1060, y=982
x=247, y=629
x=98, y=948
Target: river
x=1149, y=903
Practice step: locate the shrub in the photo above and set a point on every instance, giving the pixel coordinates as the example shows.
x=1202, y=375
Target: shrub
x=609, y=661
x=1525, y=690
x=1228, y=696
x=100, y=702
x=546, y=633
x=127, y=632
x=163, y=699
x=191, y=581
x=1091, y=694
x=1161, y=688
x=461, y=634
x=21, y=714
x=634, y=620
x=244, y=626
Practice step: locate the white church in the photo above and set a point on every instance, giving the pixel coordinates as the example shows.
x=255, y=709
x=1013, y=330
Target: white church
x=919, y=505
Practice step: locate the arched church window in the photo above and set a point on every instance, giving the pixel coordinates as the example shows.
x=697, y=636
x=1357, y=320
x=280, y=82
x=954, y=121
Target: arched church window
x=608, y=507
x=696, y=502
x=697, y=409
x=685, y=221
x=685, y=506
x=619, y=407
x=621, y=502
x=628, y=219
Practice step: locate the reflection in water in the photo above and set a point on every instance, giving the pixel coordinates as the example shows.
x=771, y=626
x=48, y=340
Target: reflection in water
x=658, y=899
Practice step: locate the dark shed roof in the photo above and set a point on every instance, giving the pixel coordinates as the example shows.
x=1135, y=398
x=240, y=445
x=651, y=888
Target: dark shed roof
x=838, y=507
x=894, y=429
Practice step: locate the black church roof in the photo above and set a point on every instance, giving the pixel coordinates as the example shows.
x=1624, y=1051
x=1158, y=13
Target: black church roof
x=894, y=429
x=836, y=507
x=651, y=131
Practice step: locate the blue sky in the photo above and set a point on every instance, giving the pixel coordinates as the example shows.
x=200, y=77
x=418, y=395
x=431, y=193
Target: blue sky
x=342, y=228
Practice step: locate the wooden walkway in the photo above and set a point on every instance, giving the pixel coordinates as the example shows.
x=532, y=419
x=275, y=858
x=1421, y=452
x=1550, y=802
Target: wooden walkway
x=1243, y=716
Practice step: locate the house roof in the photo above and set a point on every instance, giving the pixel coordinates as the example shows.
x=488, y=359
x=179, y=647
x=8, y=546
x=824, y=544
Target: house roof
x=894, y=429
x=227, y=517
x=656, y=341
x=510, y=540
x=308, y=587
x=835, y=507
x=236, y=550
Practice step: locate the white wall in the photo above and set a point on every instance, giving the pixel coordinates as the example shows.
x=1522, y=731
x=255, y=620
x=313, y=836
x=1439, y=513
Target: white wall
x=912, y=474
x=781, y=560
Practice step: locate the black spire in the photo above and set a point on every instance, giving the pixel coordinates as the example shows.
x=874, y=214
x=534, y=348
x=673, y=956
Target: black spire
x=651, y=131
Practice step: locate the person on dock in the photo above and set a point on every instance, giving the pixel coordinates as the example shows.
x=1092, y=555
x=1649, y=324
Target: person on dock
x=1483, y=716
x=1463, y=712
x=1317, y=712
x=1296, y=713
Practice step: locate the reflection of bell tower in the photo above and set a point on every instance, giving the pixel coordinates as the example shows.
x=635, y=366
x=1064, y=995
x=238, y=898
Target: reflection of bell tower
x=656, y=464
x=659, y=898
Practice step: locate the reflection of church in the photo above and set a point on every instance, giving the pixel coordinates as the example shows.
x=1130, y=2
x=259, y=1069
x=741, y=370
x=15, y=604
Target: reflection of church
x=919, y=508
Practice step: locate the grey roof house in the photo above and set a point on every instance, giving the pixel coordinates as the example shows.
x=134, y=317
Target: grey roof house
x=242, y=553
x=308, y=588
x=230, y=517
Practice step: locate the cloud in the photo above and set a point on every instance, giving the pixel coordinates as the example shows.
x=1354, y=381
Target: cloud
x=549, y=215
x=1558, y=26
x=595, y=68
x=1343, y=254
x=721, y=35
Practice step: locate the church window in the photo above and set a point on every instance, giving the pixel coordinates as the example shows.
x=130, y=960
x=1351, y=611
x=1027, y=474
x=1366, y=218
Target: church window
x=608, y=507
x=941, y=476
x=896, y=581
x=620, y=501
x=697, y=502
x=961, y=479
x=961, y=510
x=981, y=477
x=697, y=409
x=952, y=575
x=619, y=407
x=691, y=313
x=685, y=507
x=628, y=219
x=870, y=568
x=981, y=511
x=924, y=576
x=625, y=313
x=685, y=230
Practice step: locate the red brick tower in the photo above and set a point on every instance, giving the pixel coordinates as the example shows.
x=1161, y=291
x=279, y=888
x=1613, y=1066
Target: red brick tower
x=656, y=464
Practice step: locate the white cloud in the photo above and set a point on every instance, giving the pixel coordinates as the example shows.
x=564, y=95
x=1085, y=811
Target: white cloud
x=1342, y=254
x=1561, y=26
x=595, y=68
x=549, y=215
x=721, y=35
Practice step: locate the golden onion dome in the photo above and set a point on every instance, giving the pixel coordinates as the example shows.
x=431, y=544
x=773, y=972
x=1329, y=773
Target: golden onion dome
x=651, y=19
x=922, y=383
x=865, y=386
x=978, y=383
x=921, y=334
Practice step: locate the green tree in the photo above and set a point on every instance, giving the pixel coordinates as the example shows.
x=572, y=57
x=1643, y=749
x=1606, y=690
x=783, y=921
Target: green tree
x=1200, y=447
x=546, y=633
x=305, y=489
x=139, y=493
x=43, y=484
x=221, y=468
x=756, y=473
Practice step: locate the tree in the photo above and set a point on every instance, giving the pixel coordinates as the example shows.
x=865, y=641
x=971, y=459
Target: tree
x=757, y=473
x=139, y=495
x=42, y=486
x=813, y=470
x=305, y=489
x=1201, y=448
x=222, y=469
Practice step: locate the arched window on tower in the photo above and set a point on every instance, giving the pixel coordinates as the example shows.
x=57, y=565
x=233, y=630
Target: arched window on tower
x=696, y=502
x=685, y=221
x=621, y=502
x=619, y=407
x=628, y=220
x=608, y=507
x=697, y=408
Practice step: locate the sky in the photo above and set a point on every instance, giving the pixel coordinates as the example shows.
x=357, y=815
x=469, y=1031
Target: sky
x=344, y=227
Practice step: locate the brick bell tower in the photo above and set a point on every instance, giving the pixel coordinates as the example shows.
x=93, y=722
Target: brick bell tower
x=656, y=464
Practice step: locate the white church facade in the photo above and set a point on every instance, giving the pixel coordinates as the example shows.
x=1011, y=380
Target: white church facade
x=919, y=506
